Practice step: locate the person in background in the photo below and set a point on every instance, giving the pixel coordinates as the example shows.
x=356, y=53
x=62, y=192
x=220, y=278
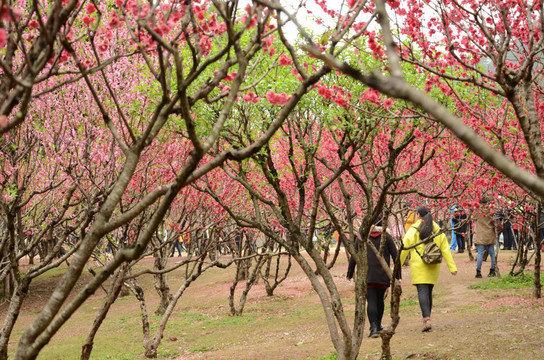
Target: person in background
x=460, y=227
x=485, y=236
x=410, y=216
x=177, y=246
x=453, y=246
x=508, y=234
x=425, y=276
x=377, y=279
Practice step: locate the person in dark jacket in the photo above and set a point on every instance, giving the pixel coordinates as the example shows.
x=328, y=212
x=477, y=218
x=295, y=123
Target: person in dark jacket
x=460, y=228
x=377, y=280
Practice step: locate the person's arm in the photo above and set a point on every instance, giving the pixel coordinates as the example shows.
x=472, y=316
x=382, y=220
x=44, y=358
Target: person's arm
x=408, y=240
x=392, y=248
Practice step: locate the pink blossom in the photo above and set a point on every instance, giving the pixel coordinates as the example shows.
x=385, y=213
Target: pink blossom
x=371, y=95
x=341, y=101
x=277, y=99
x=64, y=56
x=251, y=97
x=88, y=20
x=11, y=14
x=205, y=45
x=90, y=8
x=387, y=103
x=165, y=28
x=230, y=77
x=114, y=22
x=285, y=60
x=103, y=47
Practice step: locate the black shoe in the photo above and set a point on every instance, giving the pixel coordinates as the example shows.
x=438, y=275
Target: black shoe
x=478, y=274
x=491, y=273
x=374, y=331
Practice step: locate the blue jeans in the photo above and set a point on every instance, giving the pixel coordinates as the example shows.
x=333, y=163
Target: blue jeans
x=453, y=237
x=453, y=241
x=481, y=250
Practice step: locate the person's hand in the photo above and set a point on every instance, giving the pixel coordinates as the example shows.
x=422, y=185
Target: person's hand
x=454, y=272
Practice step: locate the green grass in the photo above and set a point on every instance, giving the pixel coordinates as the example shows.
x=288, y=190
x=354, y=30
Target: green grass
x=201, y=348
x=507, y=282
x=408, y=302
x=331, y=356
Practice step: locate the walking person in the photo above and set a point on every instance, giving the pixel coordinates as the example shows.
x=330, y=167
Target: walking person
x=425, y=276
x=453, y=246
x=177, y=246
x=460, y=227
x=485, y=237
x=377, y=279
x=410, y=217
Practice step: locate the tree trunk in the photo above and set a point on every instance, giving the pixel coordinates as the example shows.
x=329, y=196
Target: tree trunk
x=14, y=309
x=335, y=257
x=238, y=310
x=112, y=295
x=388, y=333
x=161, y=281
x=270, y=286
x=537, y=291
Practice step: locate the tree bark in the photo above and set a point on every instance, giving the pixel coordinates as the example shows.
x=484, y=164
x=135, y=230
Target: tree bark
x=115, y=289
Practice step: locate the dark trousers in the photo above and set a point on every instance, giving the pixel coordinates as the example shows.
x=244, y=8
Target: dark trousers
x=375, y=305
x=425, y=295
x=509, y=243
x=460, y=242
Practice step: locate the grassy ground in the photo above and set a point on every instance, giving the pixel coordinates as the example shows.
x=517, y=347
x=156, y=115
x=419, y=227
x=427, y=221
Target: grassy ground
x=469, y=322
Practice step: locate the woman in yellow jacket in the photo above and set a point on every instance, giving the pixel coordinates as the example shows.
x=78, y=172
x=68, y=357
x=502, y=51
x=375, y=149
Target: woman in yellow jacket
x=425, y=276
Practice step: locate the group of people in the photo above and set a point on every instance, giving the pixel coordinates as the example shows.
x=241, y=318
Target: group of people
x=484, y=233
x=421, y=229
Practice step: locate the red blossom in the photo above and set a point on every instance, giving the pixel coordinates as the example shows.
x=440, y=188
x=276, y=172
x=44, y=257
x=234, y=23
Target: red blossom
x=90, y=8
x=251, y=97
x=387, y=103
x=33, y=24
x=277, y=99
x=88, y=20
x=3, y=38
x=285, y=60
x=230, y=77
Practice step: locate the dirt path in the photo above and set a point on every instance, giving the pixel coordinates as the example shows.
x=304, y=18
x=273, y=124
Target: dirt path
x=468, y=324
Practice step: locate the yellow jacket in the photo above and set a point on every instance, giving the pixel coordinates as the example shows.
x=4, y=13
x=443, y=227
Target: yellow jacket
x=421, y=272
x=410, y=219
